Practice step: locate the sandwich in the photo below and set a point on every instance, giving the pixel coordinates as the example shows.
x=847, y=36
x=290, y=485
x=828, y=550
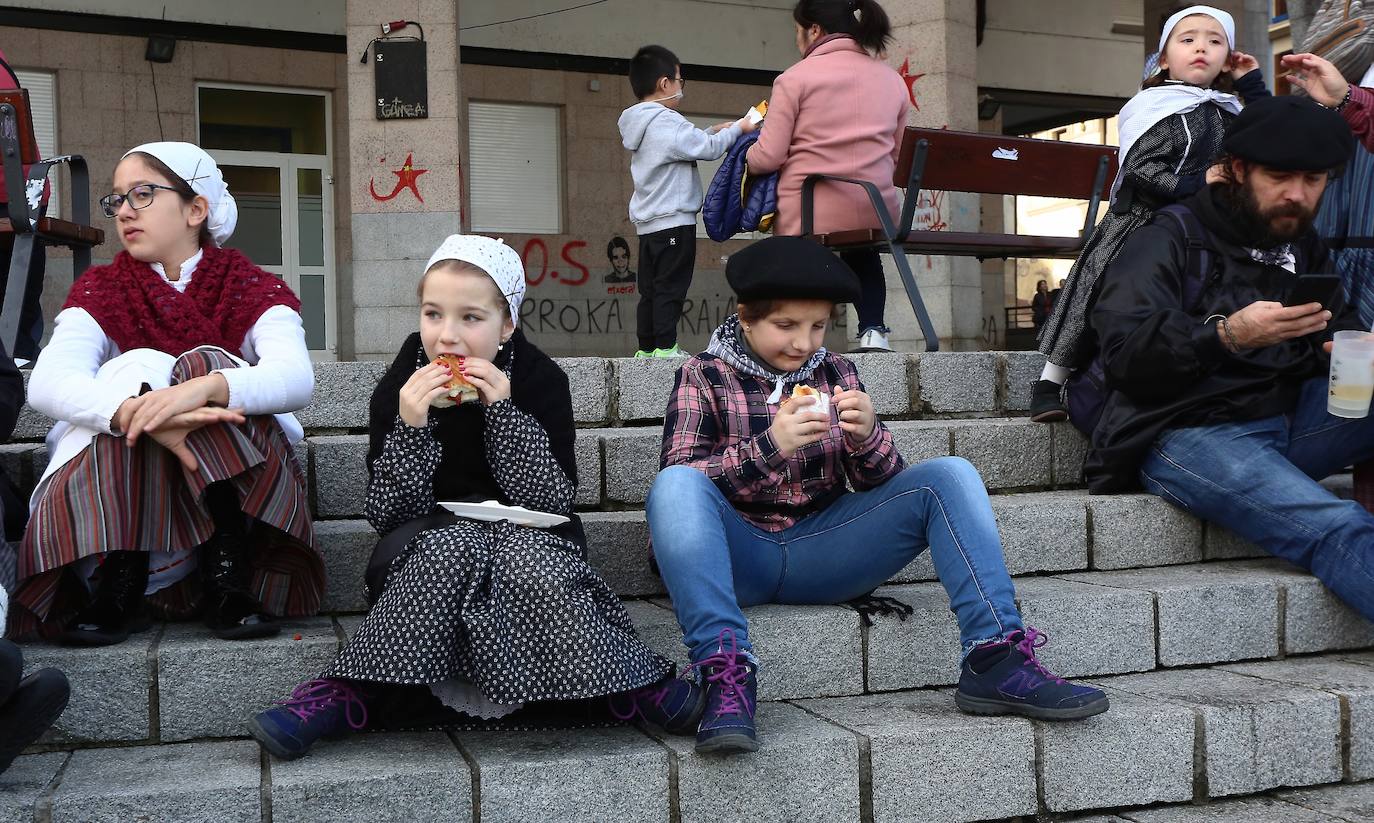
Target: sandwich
x=757, y=113
x=459, y=389
x=812, y=395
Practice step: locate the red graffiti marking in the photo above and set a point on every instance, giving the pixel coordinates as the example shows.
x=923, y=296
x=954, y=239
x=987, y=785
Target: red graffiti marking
x=568, y=249
x=577, y=276
x=535, y=243
x=910, y=80
x=406, y=178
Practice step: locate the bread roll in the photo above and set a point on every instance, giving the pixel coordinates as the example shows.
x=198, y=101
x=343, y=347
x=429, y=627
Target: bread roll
x=459, y=389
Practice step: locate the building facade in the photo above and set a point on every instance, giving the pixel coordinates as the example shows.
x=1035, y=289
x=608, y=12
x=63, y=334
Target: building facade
x=519, y=135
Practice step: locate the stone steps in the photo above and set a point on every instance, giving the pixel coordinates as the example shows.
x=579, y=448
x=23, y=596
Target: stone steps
x=626, y=391
x=1211, y=735
x=177, y=682
x=1230, y=674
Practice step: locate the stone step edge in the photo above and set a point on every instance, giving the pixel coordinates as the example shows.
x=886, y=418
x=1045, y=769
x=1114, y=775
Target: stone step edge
x=861, y=738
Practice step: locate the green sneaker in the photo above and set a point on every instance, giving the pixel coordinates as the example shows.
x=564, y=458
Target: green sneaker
x=642, y=353
x=675, y=351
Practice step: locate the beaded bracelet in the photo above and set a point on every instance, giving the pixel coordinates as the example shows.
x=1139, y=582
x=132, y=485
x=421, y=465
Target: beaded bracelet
x=1344, y=100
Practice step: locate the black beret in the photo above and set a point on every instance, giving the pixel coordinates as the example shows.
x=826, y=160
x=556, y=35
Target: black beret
x=790, y=268
x=1290, y=134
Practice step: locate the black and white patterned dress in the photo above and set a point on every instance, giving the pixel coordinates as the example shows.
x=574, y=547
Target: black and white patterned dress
x=515, y=611
x=1165, y=165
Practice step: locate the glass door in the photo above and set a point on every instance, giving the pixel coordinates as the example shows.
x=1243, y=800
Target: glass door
x=273, y=147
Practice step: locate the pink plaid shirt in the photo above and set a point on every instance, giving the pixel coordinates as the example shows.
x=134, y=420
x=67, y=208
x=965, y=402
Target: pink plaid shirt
x=718, y=421
x=1359, y=113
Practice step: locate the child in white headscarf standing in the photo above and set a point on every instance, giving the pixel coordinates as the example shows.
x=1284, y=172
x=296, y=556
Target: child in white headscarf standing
x=1171, y=135
x=171, y=374
x=496, y=607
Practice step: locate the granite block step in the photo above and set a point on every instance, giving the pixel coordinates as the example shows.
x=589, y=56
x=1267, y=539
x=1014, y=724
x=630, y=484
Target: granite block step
x=1182, y=745
x=177, y=682
x=610, y=391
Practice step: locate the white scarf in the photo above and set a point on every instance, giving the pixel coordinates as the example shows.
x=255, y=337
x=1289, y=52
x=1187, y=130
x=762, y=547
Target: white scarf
x=1152, y=105
x=1368, y=80
x=192, y=164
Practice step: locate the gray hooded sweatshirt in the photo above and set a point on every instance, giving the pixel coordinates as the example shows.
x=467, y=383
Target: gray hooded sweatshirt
x=666, y=149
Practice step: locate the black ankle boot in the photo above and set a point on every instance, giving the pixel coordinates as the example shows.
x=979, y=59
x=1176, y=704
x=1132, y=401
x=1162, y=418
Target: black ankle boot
x=116, y=607
x=230, y=611
x=1046, y=405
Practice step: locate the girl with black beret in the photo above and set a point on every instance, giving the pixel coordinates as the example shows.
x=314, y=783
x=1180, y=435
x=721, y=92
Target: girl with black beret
x=752, y=504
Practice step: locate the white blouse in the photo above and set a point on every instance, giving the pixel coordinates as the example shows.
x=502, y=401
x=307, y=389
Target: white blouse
x=64, y=385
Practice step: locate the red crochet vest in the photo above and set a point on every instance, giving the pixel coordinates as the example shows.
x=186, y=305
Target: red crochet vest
x=140, y=310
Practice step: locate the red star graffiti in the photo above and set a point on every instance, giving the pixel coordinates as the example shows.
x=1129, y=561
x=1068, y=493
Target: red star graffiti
x=910, y=80
x=405, y=179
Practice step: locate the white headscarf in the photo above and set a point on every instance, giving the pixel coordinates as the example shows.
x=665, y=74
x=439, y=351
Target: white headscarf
x=492, y=256
x=1224, y=18
x=190, y=162
x=1152, y=105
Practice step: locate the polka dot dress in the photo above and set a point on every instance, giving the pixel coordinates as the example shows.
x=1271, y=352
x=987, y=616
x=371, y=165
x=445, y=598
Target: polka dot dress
x=513, y=609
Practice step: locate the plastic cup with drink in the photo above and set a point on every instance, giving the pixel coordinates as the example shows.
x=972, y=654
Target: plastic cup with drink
x=1352, y=374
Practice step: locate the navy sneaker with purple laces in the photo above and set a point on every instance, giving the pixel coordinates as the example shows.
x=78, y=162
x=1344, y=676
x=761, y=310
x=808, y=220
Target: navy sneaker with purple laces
x=673, y=704
x=1006, y=678
x=317, y=708
x=731, y=699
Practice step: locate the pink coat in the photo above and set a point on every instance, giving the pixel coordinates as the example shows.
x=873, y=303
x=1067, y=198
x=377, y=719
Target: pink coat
x=837, y=111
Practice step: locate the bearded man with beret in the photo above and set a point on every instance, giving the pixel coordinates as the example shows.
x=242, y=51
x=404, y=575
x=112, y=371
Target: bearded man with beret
x=1217, y=401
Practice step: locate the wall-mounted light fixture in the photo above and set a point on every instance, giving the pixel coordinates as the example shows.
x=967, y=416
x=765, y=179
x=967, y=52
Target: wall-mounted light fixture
x=160, y=49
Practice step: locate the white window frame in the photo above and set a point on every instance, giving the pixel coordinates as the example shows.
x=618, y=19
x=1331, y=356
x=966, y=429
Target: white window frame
x=546, y=185
x=41, y=85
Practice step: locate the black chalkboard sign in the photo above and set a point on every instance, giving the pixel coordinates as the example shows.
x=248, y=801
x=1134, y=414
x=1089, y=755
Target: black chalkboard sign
x=402, y=83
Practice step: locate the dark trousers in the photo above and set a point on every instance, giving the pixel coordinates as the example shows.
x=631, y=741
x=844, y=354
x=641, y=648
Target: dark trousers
x=872, y=287
x=31, y=313
x=666, y=261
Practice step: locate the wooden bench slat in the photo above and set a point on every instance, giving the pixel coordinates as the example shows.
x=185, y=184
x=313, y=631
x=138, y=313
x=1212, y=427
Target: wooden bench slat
x=65, y=232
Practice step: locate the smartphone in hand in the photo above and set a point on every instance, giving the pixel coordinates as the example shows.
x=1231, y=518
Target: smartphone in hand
x=1315, y=288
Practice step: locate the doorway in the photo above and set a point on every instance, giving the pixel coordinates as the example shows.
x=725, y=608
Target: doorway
x=273, y=146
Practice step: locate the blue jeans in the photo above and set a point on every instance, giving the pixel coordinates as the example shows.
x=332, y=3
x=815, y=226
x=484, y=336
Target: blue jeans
x=1259, y=479
x=714, y=561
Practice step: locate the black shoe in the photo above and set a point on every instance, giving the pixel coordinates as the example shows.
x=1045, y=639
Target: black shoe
x=230, y=611
x=1046, y=405
x=115, y=610
x=35, y=705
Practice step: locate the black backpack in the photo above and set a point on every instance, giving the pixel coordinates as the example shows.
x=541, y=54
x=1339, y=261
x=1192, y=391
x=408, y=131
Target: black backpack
x=1087, y=387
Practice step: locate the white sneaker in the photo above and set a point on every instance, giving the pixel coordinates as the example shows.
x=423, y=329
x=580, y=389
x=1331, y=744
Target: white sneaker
x=874, y=340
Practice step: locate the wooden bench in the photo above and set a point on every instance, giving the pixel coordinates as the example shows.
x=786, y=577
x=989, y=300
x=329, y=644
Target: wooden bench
x=981, y=164
x=19, y=148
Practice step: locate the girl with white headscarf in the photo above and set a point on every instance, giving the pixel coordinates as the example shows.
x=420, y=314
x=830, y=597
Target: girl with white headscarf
x=171, y=374
x=468, y=615
x=1171, y=134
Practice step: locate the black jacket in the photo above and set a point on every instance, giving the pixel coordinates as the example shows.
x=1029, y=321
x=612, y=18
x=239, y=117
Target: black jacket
x=538, y=387
x=1166, y=368
x=11, y=399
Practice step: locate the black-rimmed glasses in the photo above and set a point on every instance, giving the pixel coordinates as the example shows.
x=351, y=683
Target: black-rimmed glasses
x=139, y=197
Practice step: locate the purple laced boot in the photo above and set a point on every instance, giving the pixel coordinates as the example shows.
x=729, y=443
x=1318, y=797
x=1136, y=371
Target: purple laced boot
x=731, y=698
x=315, y=709
x=1006, y=678
x=673, y=704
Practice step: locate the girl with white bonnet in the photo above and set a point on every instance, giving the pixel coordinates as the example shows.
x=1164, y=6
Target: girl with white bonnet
x=1171, y=135
x=481, y=617
x=171, y=374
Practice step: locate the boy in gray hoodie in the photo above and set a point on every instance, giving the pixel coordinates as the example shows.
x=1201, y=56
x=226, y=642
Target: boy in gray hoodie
x=668, y=192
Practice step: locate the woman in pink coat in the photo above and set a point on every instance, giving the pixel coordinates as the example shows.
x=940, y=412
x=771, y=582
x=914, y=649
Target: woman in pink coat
x=841, y=111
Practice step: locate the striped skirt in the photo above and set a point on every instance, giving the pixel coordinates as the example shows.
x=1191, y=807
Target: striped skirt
x=115, y=498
